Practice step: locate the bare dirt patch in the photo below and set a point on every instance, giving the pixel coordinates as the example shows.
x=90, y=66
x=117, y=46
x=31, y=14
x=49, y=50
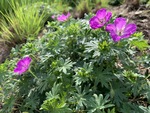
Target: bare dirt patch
x=4, y=52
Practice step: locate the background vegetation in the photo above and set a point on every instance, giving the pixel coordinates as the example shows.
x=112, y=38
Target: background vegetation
x=79, y=70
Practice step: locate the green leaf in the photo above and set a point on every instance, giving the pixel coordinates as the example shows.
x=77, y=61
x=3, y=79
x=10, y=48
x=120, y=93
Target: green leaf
x=109, y=111
x=103, y=76
x=118, y=92
x=145, y=109
x=128, y=107
x=79, y=98
x=65, y=65
x=92, y=46
x=54, y=92
x=55, y=106
x=54, y=103
x=140, y=44
x=83, y=74
x=99, y=103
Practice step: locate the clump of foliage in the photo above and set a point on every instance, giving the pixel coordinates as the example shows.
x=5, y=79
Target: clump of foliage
x=78, y=70
x=6, y=5
x=23, y=19
x=23, y=22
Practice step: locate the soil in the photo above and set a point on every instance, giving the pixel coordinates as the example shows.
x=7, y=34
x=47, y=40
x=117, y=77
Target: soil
x=4, y=52
x=140, y=16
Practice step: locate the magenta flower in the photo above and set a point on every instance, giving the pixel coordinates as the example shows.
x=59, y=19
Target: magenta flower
x=53, y=16
x=63, y=17
x=120, y=29
x=101, y=18
x=22, y=65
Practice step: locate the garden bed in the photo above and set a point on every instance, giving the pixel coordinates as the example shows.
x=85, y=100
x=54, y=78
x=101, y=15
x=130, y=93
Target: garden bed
x=95, y=64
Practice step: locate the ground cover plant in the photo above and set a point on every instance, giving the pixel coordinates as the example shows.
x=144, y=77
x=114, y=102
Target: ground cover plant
x=23, y=21
x=89, y=65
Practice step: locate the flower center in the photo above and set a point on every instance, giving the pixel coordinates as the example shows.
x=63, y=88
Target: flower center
x=120, y=32
x=102, y=21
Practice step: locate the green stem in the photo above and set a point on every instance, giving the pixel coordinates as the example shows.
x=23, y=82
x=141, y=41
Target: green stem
x=32, y=73
x=34, y=56
x=148, y=76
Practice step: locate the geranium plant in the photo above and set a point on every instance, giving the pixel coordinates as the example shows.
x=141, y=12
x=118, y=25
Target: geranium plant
x=22, y=65
x=120, y=29
x=80, y=69
x=63, y=17
x=100, y=19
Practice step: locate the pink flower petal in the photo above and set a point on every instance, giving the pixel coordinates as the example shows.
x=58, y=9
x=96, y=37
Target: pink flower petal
x=53, y=16
x=115, y=37
x=63, y=17
x=101, y=13
x=22, y=65
x=27, y=61
x=68, y=14
x=94, y=23
x=130, y=28
x=120, y=29
x=108, y=16
x=111, y=28
x=120, y=24
x=17, y=70
x=100, y=19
